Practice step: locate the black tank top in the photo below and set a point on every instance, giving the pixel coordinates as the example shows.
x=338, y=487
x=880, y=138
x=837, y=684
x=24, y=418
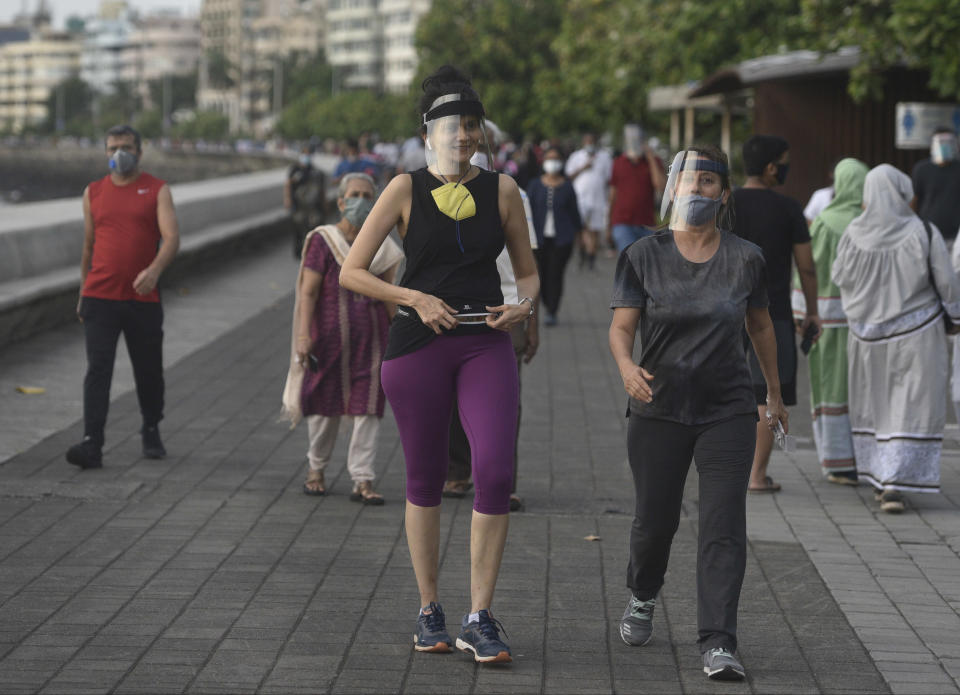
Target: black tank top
x=458, y=266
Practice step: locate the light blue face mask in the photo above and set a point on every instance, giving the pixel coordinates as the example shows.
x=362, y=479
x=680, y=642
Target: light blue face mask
x=697, y=210
x=355, y=210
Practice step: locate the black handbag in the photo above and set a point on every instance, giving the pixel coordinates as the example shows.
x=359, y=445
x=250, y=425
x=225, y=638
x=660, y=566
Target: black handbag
x=948, y=324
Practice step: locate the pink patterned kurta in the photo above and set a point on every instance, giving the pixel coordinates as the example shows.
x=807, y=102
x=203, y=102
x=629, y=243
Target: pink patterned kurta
x=349, y=333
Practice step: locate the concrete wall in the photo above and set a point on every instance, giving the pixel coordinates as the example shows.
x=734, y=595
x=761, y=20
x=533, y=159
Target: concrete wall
x=40, y=243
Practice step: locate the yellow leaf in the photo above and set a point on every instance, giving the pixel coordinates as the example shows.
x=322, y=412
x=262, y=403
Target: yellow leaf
x=591, y=537
x=31, y=390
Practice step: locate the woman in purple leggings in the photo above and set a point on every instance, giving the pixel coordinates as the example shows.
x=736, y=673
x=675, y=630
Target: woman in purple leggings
x=449, y=345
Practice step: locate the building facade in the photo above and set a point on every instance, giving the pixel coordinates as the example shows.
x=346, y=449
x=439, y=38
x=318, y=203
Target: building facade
x=370, y=42
x=243, y=45
x=29, y=71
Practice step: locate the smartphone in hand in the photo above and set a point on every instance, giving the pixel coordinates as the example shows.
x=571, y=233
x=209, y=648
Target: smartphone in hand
x=808, y=336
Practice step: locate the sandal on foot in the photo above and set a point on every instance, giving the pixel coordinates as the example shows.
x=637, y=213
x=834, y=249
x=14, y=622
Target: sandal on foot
x=767, y=487
x=314, y=485
x=363, y=492
x=457, y=489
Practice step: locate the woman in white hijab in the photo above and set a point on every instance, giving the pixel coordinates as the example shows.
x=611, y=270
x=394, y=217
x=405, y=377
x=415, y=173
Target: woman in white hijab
x=896, y=282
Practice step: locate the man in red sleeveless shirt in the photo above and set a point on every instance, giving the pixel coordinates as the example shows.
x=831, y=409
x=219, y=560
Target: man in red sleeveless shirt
x=130, y=237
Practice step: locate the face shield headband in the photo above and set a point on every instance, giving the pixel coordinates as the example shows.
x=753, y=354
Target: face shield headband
x=453, y=105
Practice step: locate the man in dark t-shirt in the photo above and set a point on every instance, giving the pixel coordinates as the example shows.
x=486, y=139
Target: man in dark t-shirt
x=304, y=195
x=936, y=184
x=776, y=224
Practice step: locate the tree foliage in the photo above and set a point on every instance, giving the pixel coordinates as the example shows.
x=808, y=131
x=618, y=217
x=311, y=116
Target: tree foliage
x=552, y=67
x=346, y=115
x=205, y=125
x=71, y=102
x=504, y=45
x=922, y=34
x=183, y=91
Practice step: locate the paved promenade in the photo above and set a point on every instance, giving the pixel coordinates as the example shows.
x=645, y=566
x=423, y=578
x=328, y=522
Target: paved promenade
x=210, y=572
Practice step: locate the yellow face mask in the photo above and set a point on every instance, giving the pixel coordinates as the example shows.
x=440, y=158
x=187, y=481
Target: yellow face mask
x=454, y=201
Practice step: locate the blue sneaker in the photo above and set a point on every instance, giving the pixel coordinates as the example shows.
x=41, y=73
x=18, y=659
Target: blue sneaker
x=432, y=631
x=483, y=639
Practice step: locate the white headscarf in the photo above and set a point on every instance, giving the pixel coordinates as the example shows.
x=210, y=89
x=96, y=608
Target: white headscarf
x=887, y=217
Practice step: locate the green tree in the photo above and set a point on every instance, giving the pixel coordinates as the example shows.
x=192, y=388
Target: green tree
x=304, y=73
x=219, y=70
x=149, y=123
x=346, y=115
x=70, y=102
x=183, y=91
x=917, y=33
x=504, y=45
x=207, y=125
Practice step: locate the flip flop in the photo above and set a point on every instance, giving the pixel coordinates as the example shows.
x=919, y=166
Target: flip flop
x=768, y=487
x=363, y=492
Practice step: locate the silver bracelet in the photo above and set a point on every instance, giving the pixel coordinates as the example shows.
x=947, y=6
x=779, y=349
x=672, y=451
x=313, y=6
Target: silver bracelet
x=527, y=299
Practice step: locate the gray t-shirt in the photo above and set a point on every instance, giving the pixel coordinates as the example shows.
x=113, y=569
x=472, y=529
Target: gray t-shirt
x=691, y=325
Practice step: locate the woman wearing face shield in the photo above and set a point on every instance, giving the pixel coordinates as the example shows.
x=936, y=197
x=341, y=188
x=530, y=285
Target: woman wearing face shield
x=338, y=340
x=556, y=217
x=449, y=345
x=690, y=288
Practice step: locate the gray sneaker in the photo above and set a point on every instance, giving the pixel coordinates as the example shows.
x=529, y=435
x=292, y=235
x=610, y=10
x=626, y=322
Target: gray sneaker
x=720, y=665
x=636, y=625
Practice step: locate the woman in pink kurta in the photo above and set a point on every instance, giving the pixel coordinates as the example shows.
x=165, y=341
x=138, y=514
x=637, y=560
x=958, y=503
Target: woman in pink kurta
x=348, y=332
x=338, y=344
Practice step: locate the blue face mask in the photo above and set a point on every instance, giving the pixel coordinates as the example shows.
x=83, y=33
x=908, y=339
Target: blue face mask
x=697, y=210
x=355, y=210
x=782, y=170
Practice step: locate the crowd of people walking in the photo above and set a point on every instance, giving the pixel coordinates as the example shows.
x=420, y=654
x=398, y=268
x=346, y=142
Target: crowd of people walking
x=719, y=286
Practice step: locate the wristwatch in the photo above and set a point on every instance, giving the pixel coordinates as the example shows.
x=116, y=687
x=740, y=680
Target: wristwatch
x=527, y=299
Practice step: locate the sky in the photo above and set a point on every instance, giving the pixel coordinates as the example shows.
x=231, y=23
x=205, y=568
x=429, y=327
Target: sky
x=61, y=9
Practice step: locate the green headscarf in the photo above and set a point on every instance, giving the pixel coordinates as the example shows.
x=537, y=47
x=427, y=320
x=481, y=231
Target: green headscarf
x=848, y=179
x=828, y=227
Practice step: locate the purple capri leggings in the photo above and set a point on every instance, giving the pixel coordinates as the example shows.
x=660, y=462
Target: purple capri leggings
x=479, y=373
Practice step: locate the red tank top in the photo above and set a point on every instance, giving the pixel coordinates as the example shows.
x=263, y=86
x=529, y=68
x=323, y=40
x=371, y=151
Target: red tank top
x=125, y=237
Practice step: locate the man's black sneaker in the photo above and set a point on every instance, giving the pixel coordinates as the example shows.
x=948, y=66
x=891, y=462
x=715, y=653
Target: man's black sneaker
x=152, y=446
x=483, y=639
x=720, y=665
x=86, y=454
x=636, y=625
x=432, y=631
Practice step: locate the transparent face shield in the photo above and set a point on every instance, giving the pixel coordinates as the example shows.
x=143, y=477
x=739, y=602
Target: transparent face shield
x=943, y=148
x=455, y=131
x=632, y=140
x=694, y=191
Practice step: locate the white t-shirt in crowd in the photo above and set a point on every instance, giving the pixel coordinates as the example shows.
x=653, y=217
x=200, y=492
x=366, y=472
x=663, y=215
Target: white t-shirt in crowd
x=508, y=280
x=818, y=201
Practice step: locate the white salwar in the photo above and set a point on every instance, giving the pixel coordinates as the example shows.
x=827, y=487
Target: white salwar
x=897, y=349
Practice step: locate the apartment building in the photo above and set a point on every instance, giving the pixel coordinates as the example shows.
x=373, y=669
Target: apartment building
x=400, y=19
x=242, y=43
x=29, y=71
x=370, y=42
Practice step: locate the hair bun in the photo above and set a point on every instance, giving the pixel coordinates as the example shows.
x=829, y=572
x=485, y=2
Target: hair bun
x=443, y=76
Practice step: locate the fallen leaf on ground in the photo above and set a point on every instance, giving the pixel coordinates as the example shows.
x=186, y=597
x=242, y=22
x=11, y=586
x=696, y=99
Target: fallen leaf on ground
x=31, y=390
x=591, y=537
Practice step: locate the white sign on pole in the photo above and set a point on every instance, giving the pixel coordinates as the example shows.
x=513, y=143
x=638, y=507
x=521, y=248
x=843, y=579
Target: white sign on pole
x=916, y=122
